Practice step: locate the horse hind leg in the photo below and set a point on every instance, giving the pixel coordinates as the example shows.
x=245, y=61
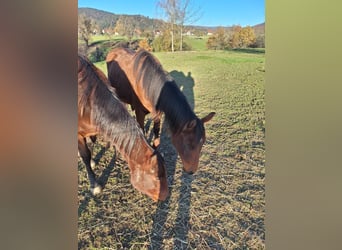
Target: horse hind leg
x=85, y=153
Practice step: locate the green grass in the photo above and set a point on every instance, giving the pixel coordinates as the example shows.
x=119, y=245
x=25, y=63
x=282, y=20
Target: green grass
x=222, y=206
x=104, y=38
x=197, y=43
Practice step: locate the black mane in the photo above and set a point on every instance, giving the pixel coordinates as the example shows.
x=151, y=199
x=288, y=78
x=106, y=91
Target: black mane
x=150, y=72
x=162, y=90
x=108, y=113
x=175, y=106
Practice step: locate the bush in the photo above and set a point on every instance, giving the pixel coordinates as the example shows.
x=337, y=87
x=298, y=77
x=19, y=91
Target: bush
x=219, y=40
x=144, y=44
x=259, y=42
x=163, y=43
x=98, y=55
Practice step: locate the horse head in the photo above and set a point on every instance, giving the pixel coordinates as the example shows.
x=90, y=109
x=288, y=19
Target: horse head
x=189, y=141
x=150, y=177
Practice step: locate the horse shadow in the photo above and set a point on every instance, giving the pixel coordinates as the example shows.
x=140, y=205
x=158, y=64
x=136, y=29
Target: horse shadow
x=181, y=226
x=186, y=85
x=102, y=179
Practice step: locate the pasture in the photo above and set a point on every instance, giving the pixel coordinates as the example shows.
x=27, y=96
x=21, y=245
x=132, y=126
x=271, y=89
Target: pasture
x=221, y=206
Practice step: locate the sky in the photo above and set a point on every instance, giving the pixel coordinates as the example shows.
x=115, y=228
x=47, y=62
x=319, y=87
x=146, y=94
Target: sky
x=213, y=12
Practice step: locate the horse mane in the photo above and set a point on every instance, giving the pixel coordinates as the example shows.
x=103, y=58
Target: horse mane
x=175, y=106
x=150, y=73
x=161, y=88
x=107, y=112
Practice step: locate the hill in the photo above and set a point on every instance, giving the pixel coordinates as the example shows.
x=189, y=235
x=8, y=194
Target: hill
x=107, y=20
x=259, y=29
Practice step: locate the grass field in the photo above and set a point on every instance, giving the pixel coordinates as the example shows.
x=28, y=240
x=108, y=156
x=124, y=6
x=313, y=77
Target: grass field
x=197, y=43
x=222, y=206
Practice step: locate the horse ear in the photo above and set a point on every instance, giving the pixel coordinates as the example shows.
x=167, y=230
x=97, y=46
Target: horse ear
x=191, y=124
x=208, y=117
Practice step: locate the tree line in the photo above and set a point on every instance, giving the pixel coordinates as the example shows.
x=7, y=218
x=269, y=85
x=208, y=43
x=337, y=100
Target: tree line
x=237, y=37
x=169, y=35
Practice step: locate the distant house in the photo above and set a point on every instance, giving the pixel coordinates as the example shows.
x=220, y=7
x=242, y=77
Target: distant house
x=189, y=33
x=210, y=33
x=157, y=32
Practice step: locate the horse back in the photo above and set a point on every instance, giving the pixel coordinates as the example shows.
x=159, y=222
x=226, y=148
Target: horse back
x=120, y=74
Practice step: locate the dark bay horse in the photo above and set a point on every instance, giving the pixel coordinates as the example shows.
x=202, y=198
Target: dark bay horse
x=101, y=112
x=141, y=81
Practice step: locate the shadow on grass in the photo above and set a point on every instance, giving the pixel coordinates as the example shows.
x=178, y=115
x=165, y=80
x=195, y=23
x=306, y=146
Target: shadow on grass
x=186, y=85
x=181, y=227
x=102, y=180
x=181, y=224
x=250, y=50
x=101, y=42
x=163, y=208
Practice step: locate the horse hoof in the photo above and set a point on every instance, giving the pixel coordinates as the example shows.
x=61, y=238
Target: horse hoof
x=92, y=163
x=96, y=190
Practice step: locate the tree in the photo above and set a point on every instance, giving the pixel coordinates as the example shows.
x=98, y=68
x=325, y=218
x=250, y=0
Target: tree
x=171, y=11
x=186, y=15
x=259, y=42
x=247, y=36
x=85, y=26
x=125, y=26
x=178, y=13
x=144, y=44
x=219, y=40
x=234, y=39
x=242, y=37
x=163, y=41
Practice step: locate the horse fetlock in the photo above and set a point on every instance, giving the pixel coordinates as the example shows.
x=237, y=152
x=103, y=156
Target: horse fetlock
x=92, y=163
x=96, y=190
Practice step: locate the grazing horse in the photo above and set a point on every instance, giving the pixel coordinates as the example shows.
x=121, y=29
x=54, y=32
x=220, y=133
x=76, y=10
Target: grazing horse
x=101, y=112
x=141, y=81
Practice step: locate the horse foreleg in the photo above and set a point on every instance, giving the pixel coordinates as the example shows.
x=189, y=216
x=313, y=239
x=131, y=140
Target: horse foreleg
x=93, y=139
x=156, y=126
x=84, y=151
x=156, y=130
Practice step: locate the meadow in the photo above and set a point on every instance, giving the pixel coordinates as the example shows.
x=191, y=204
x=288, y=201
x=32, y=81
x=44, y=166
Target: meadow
x=222, y=206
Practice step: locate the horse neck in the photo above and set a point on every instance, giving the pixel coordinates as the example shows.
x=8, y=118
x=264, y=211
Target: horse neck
x=138, y=154
x=115, y=123
x=129, y=141
x=175, y=106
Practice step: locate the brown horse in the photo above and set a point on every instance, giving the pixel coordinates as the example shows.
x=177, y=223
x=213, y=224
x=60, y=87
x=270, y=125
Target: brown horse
x=101, y=112
x=141, y=81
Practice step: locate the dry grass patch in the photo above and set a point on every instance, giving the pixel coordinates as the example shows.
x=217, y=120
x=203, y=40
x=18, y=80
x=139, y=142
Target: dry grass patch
x=222, y=206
